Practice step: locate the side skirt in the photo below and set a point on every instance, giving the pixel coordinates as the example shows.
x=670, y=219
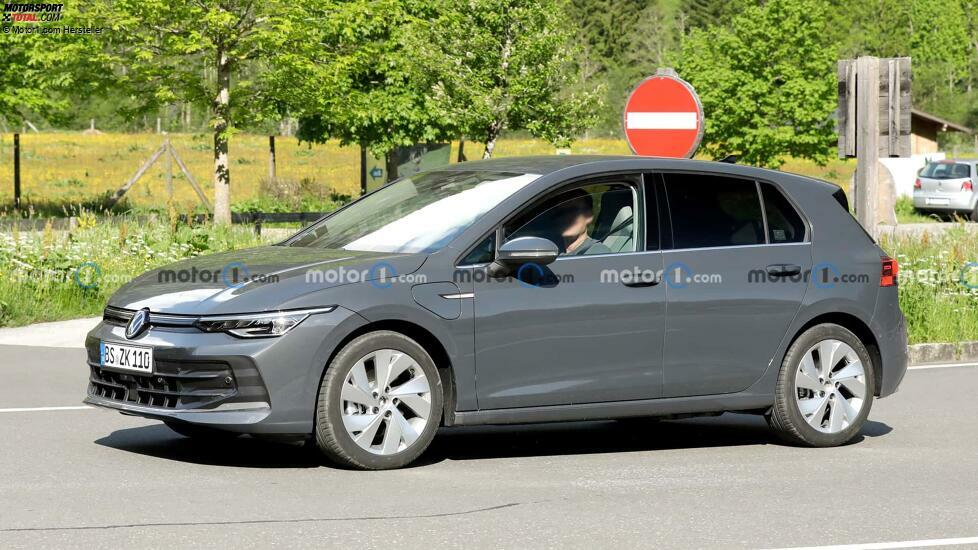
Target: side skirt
x=619, y=409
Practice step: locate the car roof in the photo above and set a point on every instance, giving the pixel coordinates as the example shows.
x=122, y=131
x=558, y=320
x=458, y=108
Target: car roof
x=539, y=164
x=549, y=164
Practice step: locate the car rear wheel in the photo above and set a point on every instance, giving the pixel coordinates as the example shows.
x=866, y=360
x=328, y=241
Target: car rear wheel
x=825, y=388
x=974, y=214
x=380, y=403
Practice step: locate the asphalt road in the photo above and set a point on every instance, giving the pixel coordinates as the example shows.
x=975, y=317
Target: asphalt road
x=90, y=478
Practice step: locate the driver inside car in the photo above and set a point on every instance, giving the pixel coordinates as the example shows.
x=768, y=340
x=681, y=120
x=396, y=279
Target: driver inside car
x=574, y=215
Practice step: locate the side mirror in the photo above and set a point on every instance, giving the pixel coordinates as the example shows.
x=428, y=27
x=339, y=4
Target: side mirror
x=520, y=251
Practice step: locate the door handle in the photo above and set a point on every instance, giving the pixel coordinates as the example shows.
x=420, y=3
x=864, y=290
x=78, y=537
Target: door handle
x=641, y=284
x=783, y=270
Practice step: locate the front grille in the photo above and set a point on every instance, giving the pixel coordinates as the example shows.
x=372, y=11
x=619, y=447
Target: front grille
x=185, y=385
x=120, y=317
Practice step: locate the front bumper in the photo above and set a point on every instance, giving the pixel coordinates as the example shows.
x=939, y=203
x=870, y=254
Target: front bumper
x=261, y=386
x=890, y=327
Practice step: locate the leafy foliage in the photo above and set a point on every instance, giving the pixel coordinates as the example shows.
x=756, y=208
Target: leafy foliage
x=767, y=83
x=502, y=64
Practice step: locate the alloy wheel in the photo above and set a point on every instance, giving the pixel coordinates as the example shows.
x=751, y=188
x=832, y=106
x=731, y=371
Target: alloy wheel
x=830, y=386
x=386, y=402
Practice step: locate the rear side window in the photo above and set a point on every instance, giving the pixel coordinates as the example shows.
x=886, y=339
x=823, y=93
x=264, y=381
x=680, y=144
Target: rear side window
x=712, y=211
x=946, y=170
x=784, y=225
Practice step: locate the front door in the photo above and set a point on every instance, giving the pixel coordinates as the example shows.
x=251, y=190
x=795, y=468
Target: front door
x=587, y=328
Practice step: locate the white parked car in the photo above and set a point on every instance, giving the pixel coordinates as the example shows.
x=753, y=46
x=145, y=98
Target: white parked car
x=947, y=186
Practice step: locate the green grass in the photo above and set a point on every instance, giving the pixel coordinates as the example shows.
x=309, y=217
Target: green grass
x=50, y=275
x=906, y=213
x=939, y=306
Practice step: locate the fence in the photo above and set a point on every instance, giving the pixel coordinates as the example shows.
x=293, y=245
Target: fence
x=255, y=219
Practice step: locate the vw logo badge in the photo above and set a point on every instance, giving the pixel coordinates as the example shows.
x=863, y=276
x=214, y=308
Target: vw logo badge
x=138, y=323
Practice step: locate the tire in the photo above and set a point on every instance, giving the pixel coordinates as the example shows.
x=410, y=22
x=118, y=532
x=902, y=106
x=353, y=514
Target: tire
x=199, y=433
x=798, y=416
x=366, y=423
x=973, y=216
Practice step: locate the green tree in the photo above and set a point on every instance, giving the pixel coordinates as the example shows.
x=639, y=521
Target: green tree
x=619, y=43
x=497, y=65
x=941, y=50
x=37, y=70
x=767, y=83
x=161, y=52
x=704, y=14
x=352, y=78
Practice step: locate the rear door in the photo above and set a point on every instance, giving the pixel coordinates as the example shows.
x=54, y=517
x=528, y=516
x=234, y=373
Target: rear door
x=735, y=274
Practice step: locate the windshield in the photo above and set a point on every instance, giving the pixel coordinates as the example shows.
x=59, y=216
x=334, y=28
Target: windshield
x=946, y=170
x=421, y=213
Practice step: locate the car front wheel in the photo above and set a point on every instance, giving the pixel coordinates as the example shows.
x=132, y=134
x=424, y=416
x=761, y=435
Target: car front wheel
x=825, y=388
x=380, y=403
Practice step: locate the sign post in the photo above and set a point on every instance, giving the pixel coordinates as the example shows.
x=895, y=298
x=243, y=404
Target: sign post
x=874, y=121
x=664, y=117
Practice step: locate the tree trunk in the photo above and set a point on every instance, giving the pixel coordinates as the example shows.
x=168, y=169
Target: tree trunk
x=491, y=136
x=490, y=145
x=222, y=174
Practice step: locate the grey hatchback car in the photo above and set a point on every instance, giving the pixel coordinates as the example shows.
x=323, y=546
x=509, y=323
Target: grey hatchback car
x=535, y=289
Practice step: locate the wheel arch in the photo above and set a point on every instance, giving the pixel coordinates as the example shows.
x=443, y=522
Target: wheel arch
x=862, y=331
x=425, y=339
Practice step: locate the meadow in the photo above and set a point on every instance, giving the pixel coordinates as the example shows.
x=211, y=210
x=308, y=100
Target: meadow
x=71, y=168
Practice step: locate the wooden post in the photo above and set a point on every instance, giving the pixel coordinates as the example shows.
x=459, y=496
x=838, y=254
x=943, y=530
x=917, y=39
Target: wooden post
x=190, y=179
x=867, y=140
x=271, y=159
x=16, y=170
x=168, y=171
x=363, y=170
x=159, y=125
x=139, y=173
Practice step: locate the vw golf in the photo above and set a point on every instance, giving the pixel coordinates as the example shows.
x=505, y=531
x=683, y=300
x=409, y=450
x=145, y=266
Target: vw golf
x=536, y=289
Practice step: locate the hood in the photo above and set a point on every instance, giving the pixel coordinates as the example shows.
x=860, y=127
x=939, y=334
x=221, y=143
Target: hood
x=259, y=279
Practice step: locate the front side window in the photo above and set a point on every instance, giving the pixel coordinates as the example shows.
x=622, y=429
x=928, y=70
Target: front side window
x=711, y=211
x=584, y=221
x=421, y=213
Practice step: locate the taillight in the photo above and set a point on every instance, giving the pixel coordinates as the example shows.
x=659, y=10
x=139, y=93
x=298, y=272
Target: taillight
x=917, y=184
x=888, y=276
x=967, y=186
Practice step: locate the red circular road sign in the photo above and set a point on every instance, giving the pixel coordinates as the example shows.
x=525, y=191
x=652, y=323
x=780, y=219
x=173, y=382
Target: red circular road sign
x=664, y=118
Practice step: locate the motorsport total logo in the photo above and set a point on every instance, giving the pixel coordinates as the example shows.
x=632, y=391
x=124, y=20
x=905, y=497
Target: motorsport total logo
x=32, y=13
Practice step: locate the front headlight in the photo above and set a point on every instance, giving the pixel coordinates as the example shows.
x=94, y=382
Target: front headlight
x=258, y=325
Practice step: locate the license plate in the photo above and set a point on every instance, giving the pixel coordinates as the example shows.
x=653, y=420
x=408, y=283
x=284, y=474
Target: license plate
x=128, y=358
x=939, y=202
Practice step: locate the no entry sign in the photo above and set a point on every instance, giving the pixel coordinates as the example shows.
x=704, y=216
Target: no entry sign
x=664, y=118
